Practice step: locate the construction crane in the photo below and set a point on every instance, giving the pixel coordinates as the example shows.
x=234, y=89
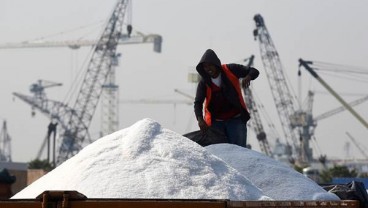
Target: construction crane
x=255, y=123
x=134, y=38
x=282, y=96
x=109, y=104
x=39, y=95
x=5, y=144
x=39, y=100
x=307, y=65
x=99, y=67
x=74, y=121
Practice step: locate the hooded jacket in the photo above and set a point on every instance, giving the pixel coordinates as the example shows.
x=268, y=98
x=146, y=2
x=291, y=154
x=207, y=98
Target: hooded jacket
x=229, y=86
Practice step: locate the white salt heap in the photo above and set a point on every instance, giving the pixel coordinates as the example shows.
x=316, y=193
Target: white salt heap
x=147, y=161
x=277, y=180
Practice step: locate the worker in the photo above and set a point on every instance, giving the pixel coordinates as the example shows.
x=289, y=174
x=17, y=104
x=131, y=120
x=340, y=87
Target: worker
x=219, y=90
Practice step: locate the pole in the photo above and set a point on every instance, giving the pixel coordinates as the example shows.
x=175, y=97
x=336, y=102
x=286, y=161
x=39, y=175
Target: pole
x=53, y=157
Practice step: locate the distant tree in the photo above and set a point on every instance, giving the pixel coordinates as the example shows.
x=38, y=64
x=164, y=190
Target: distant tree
x=363, y=175
x=337, y=172
x=40, y=164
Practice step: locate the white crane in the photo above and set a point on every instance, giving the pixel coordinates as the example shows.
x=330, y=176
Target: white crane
x=282, y=94
x=135, y=38
x=110, y=90
x=75, y=120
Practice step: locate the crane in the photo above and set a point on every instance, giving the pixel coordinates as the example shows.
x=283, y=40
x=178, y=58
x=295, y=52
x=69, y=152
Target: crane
x=255, y=123
x=40, y=101
x=38, y=90
x=78, y=121
x=282, y=96
x=134, y=38
x=307, y=66
x=5, y=144
x=74, y=121
x=110, y=91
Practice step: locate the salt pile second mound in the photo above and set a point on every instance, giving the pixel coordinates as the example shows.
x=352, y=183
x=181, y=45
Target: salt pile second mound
x=146, y=161
x=277, y=180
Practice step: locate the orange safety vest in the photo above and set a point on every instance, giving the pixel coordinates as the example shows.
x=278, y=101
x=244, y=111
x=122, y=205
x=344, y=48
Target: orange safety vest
x=235, y=82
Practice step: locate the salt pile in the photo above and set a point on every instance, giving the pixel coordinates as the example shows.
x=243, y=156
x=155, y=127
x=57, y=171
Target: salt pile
x=274, y=178
x=146, y=161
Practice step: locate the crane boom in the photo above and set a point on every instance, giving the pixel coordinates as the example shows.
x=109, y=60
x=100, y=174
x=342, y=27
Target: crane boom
x=340, y=109
x=75, y=44
x=280, y=91
x=256, y=123
x=99, y=77
x=98, y=70
x=305, y=64
x=50, y=108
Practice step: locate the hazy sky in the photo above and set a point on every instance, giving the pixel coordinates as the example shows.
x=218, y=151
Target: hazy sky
x=332, y=31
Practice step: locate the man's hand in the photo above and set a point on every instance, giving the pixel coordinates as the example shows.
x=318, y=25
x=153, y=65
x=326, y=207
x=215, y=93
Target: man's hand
x=202, y=125
x=246, y=81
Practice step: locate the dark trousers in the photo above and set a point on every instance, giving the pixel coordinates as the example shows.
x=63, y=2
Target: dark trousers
x=234, y=129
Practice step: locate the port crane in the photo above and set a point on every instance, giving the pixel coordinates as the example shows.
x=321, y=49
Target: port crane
x=133, y=38
x=110, y=90
x=74, y=121
x=308, y=66
x=255, y=123
x=39, y=95
x=109, y=104
x=282, y=95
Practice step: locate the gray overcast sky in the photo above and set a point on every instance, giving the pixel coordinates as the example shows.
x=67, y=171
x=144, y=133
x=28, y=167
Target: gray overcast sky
x=332, y=31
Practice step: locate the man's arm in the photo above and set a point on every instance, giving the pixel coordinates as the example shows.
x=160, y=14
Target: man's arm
x=242, y=71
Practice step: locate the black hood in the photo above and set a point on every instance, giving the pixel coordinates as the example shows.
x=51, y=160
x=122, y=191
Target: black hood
x=208, y=57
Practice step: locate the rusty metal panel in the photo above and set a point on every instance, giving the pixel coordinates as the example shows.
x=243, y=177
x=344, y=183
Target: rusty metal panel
x=101, y=203
x=20, y=204
x=293, y=204
x=167, y=203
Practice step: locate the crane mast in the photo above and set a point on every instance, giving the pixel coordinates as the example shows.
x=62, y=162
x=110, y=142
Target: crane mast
x=98, y=70
x=280, y=91
x=256, y=123
x=75, y=119
x=99, y=79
